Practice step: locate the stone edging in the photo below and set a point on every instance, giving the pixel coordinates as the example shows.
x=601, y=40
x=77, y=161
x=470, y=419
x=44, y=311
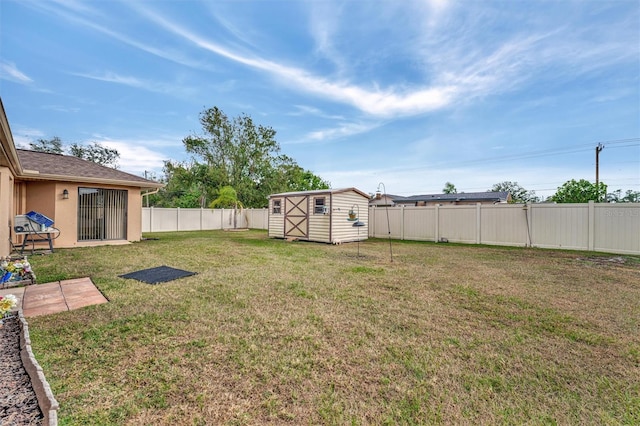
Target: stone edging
x=46, y=400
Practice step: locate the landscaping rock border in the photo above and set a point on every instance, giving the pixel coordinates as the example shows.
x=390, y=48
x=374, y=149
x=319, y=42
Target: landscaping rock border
x=46, y=400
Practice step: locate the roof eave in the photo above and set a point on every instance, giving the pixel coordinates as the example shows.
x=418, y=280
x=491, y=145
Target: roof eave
x=320, y=192
x=30, y=175
x=7, y=145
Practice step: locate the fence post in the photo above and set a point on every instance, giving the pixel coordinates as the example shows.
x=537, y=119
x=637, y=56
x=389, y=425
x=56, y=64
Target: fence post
x=436, y=235
x=402, y=218
x=178, y=219
x=372, y=220
x=528, y=216
x=151, y=219
x=478, y=224
x=592, y=225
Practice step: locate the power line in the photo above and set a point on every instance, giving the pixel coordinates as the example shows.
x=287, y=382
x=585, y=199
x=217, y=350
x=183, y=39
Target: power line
x=625, y=143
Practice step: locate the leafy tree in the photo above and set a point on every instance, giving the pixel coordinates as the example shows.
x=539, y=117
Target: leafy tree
x=290, y=176
x=238, y=153
x=629, y=197
x=186, y=185
x=581, y=191
x=52, y=146
x=96, y=153
x=449, y=188
x=518, y=193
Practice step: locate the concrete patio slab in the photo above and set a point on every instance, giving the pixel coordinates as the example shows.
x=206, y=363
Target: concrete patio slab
x=59, y=296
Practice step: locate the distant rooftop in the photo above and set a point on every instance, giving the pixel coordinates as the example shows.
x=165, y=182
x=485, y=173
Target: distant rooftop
x=463, y=196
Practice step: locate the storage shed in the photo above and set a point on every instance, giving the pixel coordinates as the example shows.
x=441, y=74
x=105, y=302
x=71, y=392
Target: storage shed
x=320, y=215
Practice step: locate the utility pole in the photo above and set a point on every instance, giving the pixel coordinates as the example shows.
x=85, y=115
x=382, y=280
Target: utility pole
x=599, y=148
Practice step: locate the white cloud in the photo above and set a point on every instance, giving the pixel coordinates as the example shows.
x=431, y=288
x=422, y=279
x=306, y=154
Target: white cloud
x=384, y=103
x=460, y=69
x=148, y=85
x=9, y=71
x=342, y=130
x=60, y=108
x=136, y=156
x=73, y=13
x=22, y=136
x=323, y=26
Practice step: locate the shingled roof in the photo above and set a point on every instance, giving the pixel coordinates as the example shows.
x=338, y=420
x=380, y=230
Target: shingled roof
x=463, y=196
x=47, y=166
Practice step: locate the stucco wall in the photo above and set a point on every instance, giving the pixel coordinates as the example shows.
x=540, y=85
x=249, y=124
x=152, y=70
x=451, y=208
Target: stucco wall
x=6, y=209
x=47, y=198
x=40, y=197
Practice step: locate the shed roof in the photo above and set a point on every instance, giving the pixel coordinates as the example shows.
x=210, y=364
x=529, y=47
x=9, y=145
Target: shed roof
x=47, y=166
x=464, y=196
x=320, y=191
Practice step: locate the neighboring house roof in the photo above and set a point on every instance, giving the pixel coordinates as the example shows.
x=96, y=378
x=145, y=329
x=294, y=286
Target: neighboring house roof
x=464, y=196
x=385, y=199
x=319, y=192
x=46, y=166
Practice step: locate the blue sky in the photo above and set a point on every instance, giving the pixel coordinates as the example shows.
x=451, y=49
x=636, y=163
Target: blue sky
x=409, y=93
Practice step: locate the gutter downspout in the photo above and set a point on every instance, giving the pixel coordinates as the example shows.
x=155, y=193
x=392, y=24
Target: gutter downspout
x=146, y=194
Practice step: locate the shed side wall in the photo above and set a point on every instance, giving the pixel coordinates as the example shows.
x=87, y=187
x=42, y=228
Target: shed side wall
x=343, y=229
x=320, y=223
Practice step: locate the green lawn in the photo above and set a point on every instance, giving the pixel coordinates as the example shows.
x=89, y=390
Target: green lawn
x=270, y=331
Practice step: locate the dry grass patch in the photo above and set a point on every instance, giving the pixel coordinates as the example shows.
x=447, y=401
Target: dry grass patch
x=302, y=333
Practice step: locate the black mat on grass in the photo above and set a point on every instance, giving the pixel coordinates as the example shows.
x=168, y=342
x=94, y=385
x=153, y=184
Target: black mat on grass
x=160, y=274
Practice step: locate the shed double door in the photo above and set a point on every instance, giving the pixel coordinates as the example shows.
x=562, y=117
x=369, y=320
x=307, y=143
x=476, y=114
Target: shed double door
x=296, y=216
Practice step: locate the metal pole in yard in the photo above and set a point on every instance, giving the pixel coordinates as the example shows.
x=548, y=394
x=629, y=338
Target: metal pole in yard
x=388, y=223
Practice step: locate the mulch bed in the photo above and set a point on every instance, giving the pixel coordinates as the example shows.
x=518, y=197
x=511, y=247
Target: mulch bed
x=18, y=402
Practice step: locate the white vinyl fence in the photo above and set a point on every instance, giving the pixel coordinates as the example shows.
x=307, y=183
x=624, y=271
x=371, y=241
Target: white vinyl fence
x=613, y=228
x=177, y=219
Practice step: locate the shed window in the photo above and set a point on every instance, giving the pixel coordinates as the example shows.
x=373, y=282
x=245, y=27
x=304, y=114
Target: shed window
x=319, y=205
x=277, y=206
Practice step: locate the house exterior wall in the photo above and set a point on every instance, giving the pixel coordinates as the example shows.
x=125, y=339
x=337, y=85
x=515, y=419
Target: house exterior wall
x=19, y=198
x=384, y=200
x=6, y=209
x=46, y=198
x=40, y=197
